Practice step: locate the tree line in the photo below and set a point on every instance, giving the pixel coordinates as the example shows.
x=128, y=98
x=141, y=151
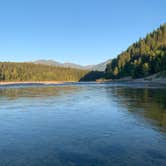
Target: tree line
x=143, y=58
x=10, y=71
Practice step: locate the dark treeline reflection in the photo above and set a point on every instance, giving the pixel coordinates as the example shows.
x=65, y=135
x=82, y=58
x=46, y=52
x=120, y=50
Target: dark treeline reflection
x=41, y=91
x=149, y=103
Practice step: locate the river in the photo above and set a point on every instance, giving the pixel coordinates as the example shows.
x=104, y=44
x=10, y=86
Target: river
x=82, y=125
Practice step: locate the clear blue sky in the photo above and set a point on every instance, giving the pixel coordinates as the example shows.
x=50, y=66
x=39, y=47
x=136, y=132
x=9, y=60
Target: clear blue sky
x=79, y=31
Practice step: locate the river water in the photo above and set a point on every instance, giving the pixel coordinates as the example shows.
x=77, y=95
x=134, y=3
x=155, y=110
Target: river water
x=82, y=125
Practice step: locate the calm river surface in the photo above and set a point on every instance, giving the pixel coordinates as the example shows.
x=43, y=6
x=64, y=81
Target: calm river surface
x=82, y=125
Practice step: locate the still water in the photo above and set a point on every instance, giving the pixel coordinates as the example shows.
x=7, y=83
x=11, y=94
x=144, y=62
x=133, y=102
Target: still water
x=82, y=125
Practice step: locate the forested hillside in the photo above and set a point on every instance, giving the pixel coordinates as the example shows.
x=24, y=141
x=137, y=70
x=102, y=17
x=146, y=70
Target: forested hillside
x=143, y=58
x=36, y=72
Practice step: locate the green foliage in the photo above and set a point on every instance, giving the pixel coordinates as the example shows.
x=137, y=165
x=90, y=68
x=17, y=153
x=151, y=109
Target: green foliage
x=145, y=57
x=161, y=74
x=93, y=76
x=33, y=72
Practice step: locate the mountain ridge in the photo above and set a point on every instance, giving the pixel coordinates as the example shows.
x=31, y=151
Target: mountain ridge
x=97, y=67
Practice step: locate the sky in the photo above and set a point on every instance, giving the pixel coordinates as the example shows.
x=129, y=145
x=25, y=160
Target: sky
x=78, y=31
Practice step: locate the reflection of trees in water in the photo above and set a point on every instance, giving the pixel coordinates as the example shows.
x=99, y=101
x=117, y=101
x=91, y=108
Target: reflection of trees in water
x=14, y=93
x=151, y=102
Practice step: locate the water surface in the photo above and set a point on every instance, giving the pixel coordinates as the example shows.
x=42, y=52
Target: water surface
x=82, y=125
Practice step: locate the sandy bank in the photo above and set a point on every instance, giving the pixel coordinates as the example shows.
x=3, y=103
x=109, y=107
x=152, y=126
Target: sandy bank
x=153, y=79
x=34, y=82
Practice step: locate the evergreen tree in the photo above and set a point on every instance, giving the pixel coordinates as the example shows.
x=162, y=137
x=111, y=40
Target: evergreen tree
x=145, y=57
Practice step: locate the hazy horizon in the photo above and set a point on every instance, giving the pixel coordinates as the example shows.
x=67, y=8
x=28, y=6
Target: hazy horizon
x=54, y=60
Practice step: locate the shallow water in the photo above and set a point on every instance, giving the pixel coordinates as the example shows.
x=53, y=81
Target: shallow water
x=82, y=125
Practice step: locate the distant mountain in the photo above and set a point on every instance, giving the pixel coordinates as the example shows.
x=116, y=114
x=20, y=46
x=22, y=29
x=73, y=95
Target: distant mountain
x=58, y=64
x=72, y=65
x=98, y=67
x=48, y=62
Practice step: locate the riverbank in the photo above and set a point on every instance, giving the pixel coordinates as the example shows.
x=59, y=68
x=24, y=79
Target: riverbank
x=151, y=79
x=35, y=82
x=158, y=78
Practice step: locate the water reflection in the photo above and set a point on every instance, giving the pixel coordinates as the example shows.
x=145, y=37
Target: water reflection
x=34, y=92
x=149, y=103
x=82, y=125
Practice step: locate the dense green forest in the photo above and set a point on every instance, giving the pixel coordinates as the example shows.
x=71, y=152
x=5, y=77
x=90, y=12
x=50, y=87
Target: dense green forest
x=143, y=58
x=93, y=76
x=33, y=72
